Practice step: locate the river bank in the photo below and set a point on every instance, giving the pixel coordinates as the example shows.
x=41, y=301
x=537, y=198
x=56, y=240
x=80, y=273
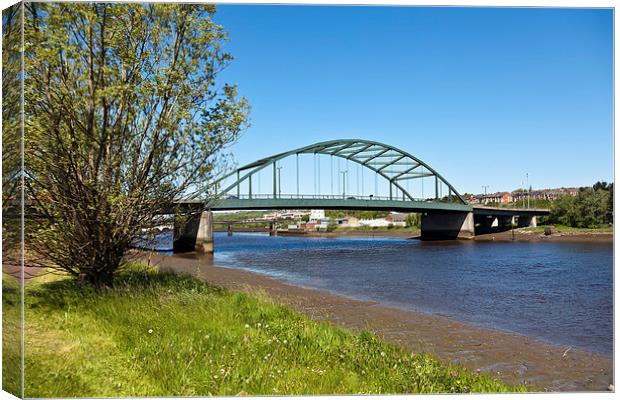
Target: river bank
x=557, y=237
x=522, y=235
x=513, y=358
x=161, y=334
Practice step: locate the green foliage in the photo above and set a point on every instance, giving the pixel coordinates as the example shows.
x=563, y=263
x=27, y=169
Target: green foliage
x=413, y=220
x=534, y=203
x=11, y=126
x=359, y=214
x=239, y=216
x=124, y=115
x=592, y=207
x=159, y=334
x=11, y=193
x=332, y=225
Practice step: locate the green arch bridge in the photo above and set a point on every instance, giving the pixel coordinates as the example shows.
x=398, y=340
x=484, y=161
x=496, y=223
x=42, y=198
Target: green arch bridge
x=445, y=213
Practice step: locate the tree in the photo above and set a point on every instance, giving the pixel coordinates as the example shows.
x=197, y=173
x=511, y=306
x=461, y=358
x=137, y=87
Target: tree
x=413, y=220
x=124, y=115
x=11, y=133
x=609, y=215
x=590, y=208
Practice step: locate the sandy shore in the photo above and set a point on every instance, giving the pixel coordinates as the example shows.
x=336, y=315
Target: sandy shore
x=512, y=358
x=567, y=237
x=519, y=236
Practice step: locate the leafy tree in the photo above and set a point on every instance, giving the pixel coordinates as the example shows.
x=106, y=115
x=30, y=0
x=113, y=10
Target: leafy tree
x=11, y=134
x=609, y=215
x=11, y=107
x=591, y=207
x=360, y=214
x=601, y=185
x=413, y=220
x=124, y=115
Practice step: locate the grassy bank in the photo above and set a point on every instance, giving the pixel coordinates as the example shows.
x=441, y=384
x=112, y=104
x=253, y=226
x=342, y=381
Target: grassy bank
x=11, y=336
x=159, y=334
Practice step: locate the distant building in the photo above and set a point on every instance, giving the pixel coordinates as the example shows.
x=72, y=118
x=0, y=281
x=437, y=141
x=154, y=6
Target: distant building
x=397, y=219
x=348, y=222
x=518, y=195
x=378, y=222
x=317, y=215
x=286, y=214
x=498, y=197
x=546, y=194
x=315, y=226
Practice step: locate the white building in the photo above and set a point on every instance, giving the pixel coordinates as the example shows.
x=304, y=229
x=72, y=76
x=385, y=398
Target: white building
x=286, y=214
x=317, y=215
x=377, y=222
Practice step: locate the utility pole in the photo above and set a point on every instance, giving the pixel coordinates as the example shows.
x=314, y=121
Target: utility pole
x=344, y=174
x=279, y=182
x=485, y=187
x=522, y=193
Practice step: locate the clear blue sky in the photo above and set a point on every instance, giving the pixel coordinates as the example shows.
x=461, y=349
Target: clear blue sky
x=483, y=95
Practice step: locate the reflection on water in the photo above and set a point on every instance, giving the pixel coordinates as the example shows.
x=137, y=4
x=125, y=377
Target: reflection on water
x=558, y=292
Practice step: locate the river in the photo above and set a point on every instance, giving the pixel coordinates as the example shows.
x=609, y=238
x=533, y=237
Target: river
x=561, y=293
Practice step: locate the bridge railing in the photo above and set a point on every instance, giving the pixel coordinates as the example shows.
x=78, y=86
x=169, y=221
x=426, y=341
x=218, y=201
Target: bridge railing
x=287, y=196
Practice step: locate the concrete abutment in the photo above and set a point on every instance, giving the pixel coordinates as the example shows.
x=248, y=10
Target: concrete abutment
x=447, y=226
x=194, y=232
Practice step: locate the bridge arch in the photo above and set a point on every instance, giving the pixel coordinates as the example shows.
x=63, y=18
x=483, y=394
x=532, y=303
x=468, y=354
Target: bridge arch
x=393, y=164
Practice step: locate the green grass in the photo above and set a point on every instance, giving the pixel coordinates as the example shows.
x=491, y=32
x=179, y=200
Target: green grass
x=564, y=228
x=11, y=335
x=159, y=334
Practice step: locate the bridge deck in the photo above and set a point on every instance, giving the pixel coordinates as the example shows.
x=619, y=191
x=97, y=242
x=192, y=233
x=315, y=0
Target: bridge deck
x=353, y=203
x=509, y=212
x=338, y=204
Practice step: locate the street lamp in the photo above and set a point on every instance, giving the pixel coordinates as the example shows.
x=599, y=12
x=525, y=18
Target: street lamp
x=344, y=174
x=279, y=182
x=527, y=179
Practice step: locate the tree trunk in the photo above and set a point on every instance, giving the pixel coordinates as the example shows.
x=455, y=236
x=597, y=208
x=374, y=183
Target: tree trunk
x=100, y=279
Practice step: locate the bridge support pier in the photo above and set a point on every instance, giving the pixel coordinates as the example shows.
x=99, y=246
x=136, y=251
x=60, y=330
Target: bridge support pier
x=273, y=229
x=526, y=221
x=447, y=226
x=194, y=233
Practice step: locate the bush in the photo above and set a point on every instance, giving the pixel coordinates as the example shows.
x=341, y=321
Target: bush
x=413, y=220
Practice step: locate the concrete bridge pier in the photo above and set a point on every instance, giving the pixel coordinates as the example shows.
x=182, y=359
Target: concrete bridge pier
x=273, y=229
x=524, y=221
x=487, y=222
x=446, y=226
x=506, y=222
x=194, y=233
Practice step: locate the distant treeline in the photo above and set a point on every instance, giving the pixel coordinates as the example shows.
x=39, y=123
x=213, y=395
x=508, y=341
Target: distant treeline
x=592, y=207
x=360, y=214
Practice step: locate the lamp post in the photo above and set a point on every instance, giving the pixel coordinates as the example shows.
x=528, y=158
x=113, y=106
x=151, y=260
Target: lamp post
x=279, y=182
x=527, y=179
x=485, y=193
x=344, y=174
